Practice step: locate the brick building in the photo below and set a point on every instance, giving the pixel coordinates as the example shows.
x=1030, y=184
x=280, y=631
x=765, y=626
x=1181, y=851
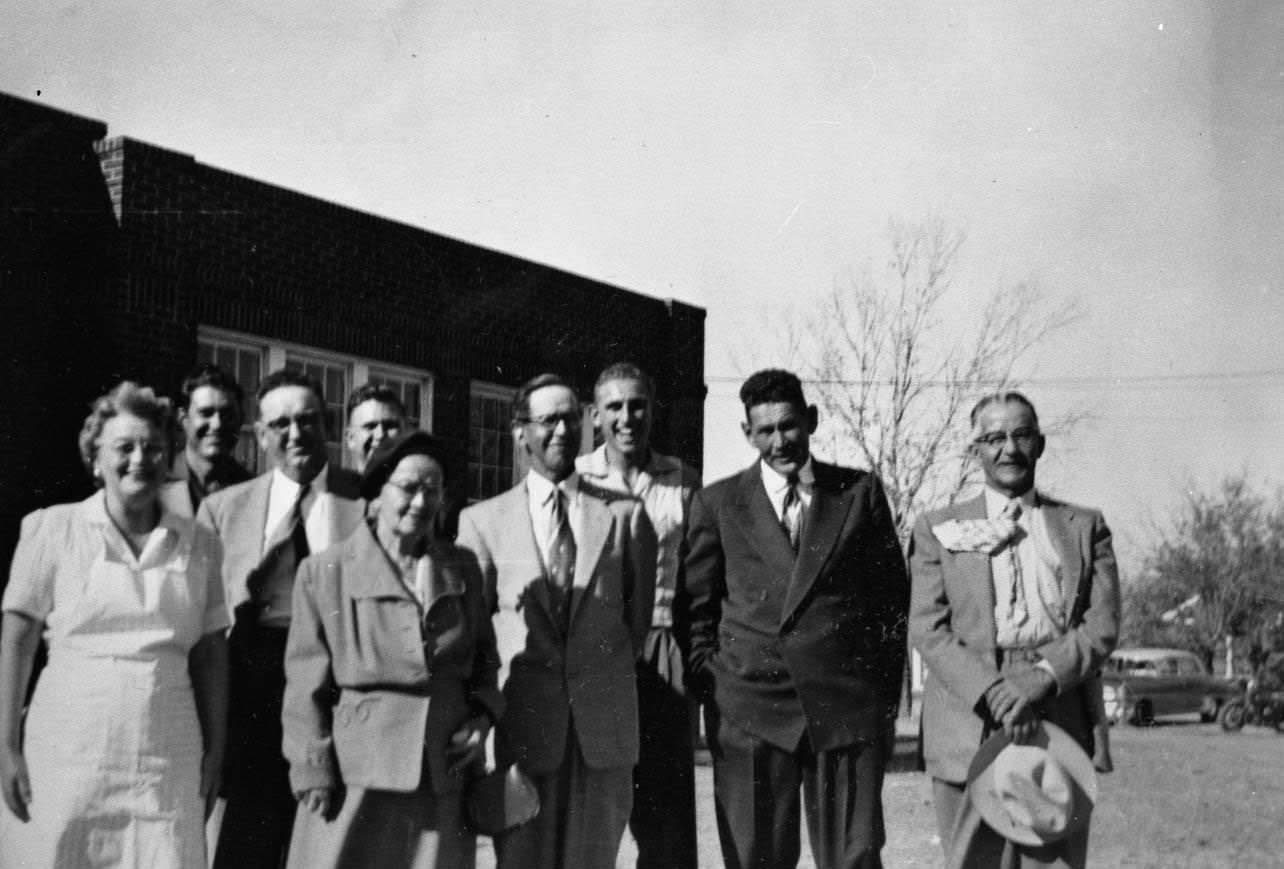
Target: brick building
x=123, y=259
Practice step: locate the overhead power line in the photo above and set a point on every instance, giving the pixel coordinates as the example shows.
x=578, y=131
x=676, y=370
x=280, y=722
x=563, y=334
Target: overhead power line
x=1135, y=380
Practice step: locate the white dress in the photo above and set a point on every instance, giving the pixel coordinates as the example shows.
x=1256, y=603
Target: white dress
x=111, y=739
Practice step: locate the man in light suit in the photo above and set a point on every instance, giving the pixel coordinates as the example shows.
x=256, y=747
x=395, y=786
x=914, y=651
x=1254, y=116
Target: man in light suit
x=569, y=574
x=267, y=526
x=798, y=601
x=1015, y=606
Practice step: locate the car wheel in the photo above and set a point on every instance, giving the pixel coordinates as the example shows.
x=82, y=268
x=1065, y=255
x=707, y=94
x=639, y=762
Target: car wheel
x=1208, y=709
x=1233, y=715
x=1143, y=714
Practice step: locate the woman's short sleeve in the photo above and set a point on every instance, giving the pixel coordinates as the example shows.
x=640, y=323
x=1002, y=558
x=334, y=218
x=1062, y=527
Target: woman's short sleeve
x=207, y=564
x=31, y=574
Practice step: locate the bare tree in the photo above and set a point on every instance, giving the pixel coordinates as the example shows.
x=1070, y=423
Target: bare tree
x=896, y=377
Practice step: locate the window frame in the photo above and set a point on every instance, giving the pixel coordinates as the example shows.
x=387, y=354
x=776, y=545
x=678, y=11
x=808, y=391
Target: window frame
x=273, y=355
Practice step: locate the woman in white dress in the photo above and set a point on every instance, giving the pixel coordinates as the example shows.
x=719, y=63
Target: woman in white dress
x=117, y=761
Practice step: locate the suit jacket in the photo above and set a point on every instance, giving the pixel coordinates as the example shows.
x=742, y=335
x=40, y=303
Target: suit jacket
x=545, y=671
x=369, y=671
x=238, y=513
x=784, y=644
x=952, y=626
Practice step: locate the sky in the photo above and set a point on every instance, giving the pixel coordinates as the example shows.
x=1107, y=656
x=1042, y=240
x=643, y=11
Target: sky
x=744, y=157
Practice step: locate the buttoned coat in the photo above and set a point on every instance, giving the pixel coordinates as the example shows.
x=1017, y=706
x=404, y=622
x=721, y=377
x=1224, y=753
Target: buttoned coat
x=238, y=515
x=553, y=679
x=952, y=626
x=373, y=679
x=814, y=643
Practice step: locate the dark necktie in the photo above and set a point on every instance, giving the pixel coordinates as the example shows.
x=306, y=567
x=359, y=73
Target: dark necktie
x=271, y=584
x=298, y=528
x=791, y=513
x=561, y=566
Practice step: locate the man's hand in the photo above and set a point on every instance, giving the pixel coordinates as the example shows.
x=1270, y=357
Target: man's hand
x=1022, y=721
x=468, y=745
x=211, y=778
x=15, y=783
x=1035, y=683
x=318, y=801
x=1001, y=697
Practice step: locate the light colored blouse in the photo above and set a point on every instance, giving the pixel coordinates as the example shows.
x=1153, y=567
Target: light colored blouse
x=73, y=569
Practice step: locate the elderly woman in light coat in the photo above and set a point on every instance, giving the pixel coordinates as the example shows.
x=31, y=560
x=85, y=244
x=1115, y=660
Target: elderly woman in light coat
x=390, y=680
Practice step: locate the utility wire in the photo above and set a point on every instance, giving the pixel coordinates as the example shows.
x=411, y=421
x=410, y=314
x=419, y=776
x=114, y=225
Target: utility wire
x=1144, y=379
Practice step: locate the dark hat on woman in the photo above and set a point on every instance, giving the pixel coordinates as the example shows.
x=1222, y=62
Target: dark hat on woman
x=385, y=457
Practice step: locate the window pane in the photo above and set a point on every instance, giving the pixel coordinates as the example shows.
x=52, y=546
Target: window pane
x=410, y=398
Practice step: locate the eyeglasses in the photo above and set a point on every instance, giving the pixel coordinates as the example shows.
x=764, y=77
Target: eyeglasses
x=410, y=490
x=305, y=421
x=1023, y=437
x=551, y=420
x=152, y=451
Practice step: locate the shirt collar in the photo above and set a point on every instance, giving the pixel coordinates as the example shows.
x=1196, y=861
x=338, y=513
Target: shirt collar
x=995, y=501
x=595, y=464
x=541, y=487
x=318, y=485
x=95, y=507
x=774, y=481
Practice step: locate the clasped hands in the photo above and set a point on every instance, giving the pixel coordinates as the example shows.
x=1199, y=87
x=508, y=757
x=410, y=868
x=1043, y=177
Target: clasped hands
x=467, y=748
x=1013, y=701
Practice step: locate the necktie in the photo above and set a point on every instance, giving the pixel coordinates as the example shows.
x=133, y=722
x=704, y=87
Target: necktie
x=791, y=513
x=271, y=584
x=561, y=556
x=1016, y=601
x=298, y=529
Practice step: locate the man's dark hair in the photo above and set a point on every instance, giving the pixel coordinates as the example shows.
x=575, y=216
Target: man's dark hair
x=380, y=392
x=772, y=385
x=625, y=371
x=289, y=377
x=1003, y=398
x=209, y=374
x=522, y=400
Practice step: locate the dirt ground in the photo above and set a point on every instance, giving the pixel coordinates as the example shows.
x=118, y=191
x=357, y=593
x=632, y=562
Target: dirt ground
x=1184, y=796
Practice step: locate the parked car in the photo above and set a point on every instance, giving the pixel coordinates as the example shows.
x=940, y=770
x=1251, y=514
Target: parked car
x=1140, y=684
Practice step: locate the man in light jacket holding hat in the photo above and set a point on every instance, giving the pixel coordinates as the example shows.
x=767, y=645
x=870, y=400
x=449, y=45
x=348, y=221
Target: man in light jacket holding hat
x=1014, y=607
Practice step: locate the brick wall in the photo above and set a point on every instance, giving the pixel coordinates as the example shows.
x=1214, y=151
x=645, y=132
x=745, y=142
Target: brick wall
x=114, y=251
x=209, y=247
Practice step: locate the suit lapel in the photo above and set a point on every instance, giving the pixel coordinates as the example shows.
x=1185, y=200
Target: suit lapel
x=372, y=574
x=764, y=531
x=1059, y=519
x=974, y=567
x=596, y=521
x=518, y=550
x=822, y=526
x=253, y=515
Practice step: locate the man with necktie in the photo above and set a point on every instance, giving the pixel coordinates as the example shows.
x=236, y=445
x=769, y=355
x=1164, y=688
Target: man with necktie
x=798, y=602
x=569, y=575
x=664, y=814
x=267, y=526
x=1015, y=607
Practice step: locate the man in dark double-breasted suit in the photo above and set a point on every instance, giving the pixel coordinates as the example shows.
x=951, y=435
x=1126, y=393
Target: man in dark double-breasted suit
x=797, y=620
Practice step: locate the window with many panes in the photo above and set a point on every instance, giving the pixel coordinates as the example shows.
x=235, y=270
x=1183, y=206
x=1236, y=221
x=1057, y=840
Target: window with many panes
x=250, y=358
x=490, y=440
